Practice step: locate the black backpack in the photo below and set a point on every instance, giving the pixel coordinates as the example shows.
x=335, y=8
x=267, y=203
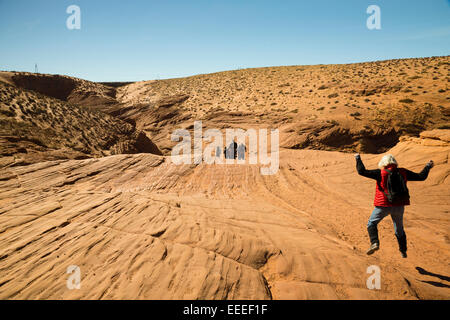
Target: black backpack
x=396, y=187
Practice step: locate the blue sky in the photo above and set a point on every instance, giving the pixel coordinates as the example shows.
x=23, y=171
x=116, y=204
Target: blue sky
x=148, y=39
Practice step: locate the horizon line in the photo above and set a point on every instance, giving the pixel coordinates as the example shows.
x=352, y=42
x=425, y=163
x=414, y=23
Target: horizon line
x=230, y=70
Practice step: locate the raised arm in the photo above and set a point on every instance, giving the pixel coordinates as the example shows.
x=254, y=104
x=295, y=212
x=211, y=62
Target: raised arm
x=412, y=176
x=372, y=174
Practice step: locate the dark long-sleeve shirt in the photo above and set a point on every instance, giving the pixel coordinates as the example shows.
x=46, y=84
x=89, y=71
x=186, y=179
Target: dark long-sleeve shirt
x=376, y=174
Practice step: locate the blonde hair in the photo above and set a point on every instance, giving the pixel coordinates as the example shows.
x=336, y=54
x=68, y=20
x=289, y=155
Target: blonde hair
x=387, y=160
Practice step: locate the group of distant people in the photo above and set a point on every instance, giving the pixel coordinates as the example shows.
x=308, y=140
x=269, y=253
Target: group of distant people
x=233, y=151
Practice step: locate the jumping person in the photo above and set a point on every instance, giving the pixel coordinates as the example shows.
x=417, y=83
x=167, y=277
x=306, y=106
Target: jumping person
x=391, y=196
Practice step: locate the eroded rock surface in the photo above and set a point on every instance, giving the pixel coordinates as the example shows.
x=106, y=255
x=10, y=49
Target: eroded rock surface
x=140, y=227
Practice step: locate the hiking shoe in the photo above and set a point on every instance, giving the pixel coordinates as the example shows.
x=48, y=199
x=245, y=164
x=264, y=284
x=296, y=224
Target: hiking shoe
x=404, y=255
x=374, y=247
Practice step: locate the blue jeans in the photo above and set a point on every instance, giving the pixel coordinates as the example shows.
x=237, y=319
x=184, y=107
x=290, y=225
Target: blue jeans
x=397, y=218
x=396, y=214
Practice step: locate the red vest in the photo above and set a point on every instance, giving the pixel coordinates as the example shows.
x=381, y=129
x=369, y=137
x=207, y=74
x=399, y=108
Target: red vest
x=380, y=198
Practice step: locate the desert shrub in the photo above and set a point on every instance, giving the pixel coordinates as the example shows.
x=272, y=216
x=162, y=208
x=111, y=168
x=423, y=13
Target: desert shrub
x=8, y=113
x=333, y=95
x=406, y=100
x=356, y=114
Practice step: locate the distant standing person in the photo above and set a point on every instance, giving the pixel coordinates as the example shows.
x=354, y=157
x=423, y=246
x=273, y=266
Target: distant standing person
x=232, y=148
x=241, y=151
x=218, y=152
x=391, y=196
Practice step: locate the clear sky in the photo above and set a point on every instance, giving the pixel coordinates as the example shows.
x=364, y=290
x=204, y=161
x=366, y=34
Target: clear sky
x=142, y=40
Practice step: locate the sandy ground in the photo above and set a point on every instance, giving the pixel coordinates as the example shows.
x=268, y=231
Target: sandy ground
x=140, y=227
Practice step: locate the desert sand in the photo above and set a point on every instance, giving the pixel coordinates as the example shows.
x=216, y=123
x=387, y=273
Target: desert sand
x=141, y=227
